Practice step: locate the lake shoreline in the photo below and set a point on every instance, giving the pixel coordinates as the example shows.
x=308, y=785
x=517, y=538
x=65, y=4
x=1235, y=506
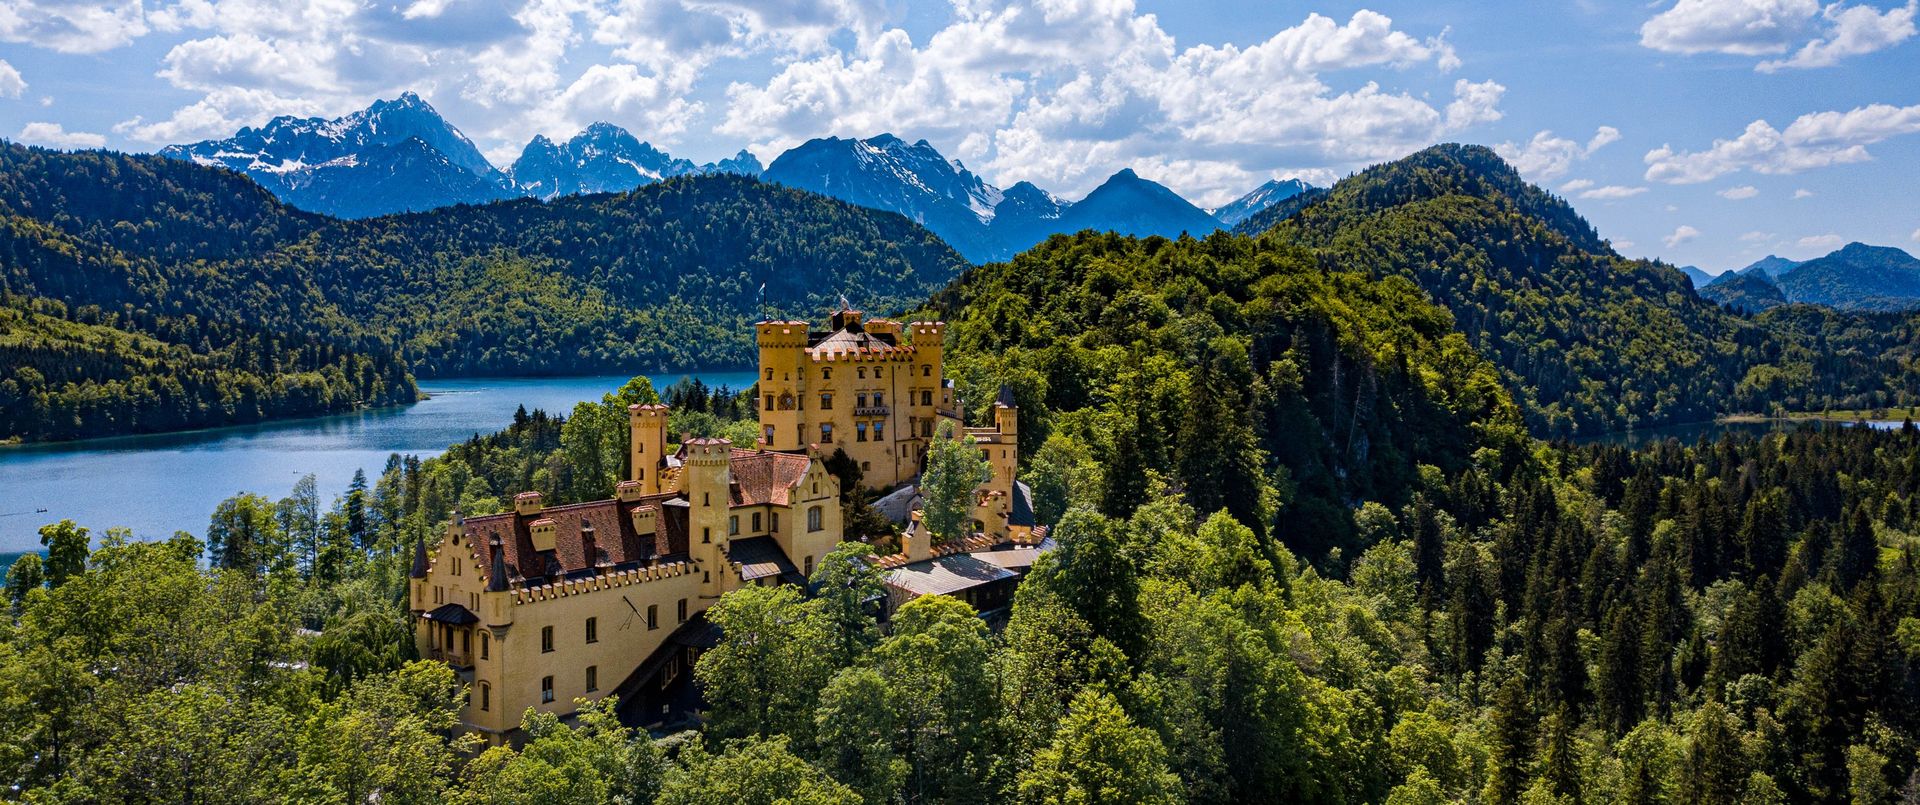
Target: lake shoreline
x=162, y=482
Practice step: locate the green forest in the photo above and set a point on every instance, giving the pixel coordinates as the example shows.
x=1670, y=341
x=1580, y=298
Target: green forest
x=213, y=277
x=1311, y=547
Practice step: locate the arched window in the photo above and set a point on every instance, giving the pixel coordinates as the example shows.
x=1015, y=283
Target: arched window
x=863, y=373
x=485, y=643
x=769, y=373
x=486, y=696
x=926, y=371
x=814, y=518
x=826, y=373
x=860, y=432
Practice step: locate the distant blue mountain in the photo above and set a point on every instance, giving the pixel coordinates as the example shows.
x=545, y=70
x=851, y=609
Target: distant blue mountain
x=1854, y=277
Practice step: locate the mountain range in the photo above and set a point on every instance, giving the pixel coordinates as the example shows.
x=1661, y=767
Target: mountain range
x=1855, y=277
x=403, y=156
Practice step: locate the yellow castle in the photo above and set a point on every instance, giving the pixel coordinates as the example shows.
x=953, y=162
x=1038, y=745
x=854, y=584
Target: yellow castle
x=543, y=605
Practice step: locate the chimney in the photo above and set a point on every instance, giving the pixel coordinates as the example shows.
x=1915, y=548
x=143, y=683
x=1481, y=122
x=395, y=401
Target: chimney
x=497, y=577
x=589, y=546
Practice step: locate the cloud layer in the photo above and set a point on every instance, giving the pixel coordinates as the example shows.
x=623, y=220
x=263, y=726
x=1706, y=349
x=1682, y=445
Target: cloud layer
x=1807, y=34
x=1061, y=92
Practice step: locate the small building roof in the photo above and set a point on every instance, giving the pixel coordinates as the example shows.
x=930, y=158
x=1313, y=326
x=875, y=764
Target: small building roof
x=946, y=575
x=1019, y=559
x=759, y=557
x=453, y=615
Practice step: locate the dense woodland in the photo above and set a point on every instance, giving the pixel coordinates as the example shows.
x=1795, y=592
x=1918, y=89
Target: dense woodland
x=72, y=374
x=1307, y=551
x=202, y=261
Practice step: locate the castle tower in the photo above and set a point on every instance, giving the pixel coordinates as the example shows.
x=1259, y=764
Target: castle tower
x=708, y=484
x=783, y=384
x=647, y=446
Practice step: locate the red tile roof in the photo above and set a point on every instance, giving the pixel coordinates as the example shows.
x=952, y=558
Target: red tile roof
x=763, y=477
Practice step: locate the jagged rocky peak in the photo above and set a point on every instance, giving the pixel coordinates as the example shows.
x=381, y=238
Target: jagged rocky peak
x=1272, y=192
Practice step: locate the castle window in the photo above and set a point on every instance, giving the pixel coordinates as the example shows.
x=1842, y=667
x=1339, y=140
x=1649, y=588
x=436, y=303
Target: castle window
x=926, y=428
x=876, y=370
x=546, y=639
x=733, y=526
x=826, y=434
x=863, y=373
x=826, y=402
x=466, y=642
x=593, y=630
x=826, y=373
x=809, y=567
x=926, y=398
x=862, y=403
x=879, y=431
x=756, y=522
x=860, y=432
x=813, y=519
x=866, y=466
x=485, y=643
x=769, y=374
x=593, y=678
x=653, y=617
x=926, y=371
x=776, y=521
x=706, y=536
x=879, y=399
x=546, y=689
x=683, y=610
x=486, y=696
x=769, y=402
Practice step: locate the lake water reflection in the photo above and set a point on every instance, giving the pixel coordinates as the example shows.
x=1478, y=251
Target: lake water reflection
x=161, y=483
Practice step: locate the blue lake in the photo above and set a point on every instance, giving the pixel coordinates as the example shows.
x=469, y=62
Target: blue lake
x=163, y=483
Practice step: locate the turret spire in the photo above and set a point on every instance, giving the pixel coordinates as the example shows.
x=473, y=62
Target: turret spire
x=419, y=558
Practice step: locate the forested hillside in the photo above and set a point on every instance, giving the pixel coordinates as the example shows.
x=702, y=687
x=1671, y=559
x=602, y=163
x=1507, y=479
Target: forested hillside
x=666, y=278
x=75, y=374
x=1238, y=372
x=1589, y=341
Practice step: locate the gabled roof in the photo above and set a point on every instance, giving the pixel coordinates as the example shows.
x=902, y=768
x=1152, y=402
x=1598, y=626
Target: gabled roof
x=609, y=521
x=765, y=477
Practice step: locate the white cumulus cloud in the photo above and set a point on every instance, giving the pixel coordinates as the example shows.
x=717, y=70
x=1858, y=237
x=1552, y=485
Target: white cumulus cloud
x=1547, y=156
x=53, y=135
x=1816, y=140
x=1681, y=234
x=1815, y=35
x=1855, y=30
x=11, y=84
x=1740, y=193
x=1065, y=92
x=1612, y=191
x=1827, y=241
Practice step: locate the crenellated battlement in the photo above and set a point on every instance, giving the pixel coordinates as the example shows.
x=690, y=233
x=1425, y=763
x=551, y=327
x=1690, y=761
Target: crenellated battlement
x=603, y=581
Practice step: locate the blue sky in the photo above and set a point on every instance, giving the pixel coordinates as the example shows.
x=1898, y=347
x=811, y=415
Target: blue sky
x=1706, y=132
